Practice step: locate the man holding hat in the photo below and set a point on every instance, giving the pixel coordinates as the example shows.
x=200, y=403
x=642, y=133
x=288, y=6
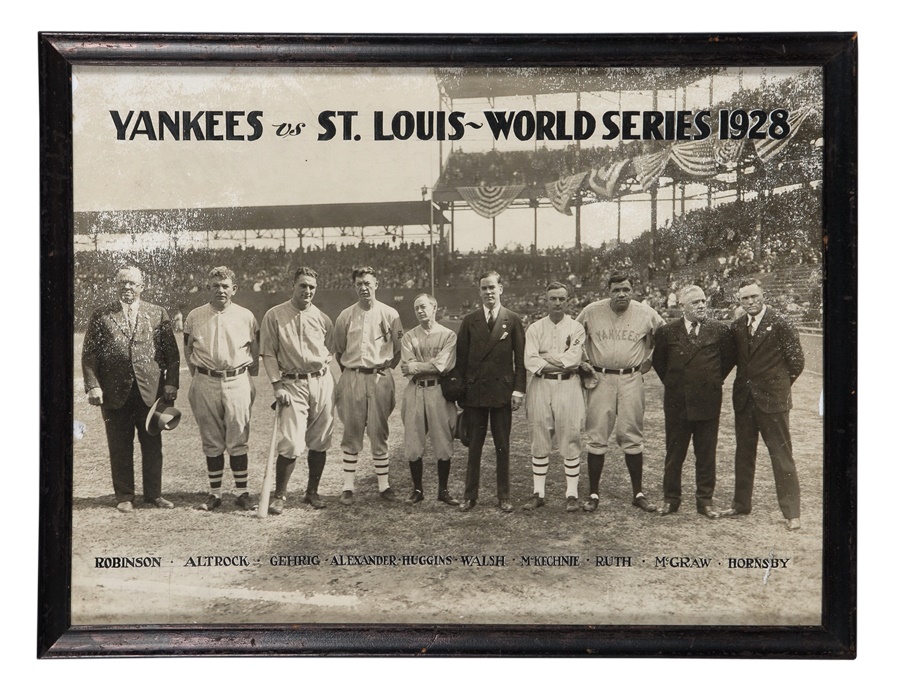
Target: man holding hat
x=130, y=360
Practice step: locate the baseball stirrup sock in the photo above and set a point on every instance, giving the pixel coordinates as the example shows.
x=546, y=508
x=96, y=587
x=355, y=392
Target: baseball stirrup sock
x=595, y=469
x=284, y=467
x=215, y=468
x=573, y=469
x=316, y=461
x=539, y=467
x=443, y=475
x=382, y=467
x=350, y=460
x=635, y=464
x=415, y=471
x=239, y=472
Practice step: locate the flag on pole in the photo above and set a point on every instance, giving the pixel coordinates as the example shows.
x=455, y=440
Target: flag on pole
x=560, y=191
x=649, y=167
x=695, y=157
x=604, y=180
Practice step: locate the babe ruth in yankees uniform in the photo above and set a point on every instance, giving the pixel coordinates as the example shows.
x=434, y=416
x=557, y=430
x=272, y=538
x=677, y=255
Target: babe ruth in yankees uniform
x=367, y=346
x=554, y=403
x=296, y=348
x=221, y=345
x=427, y=352
x=618, y=344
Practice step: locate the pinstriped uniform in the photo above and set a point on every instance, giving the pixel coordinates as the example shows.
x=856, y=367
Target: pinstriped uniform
x=554, y=408
x=220, y=341
x=423, y=409
x=617, y=403
x=291, y=342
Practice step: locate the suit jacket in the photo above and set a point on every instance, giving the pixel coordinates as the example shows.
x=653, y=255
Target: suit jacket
x=492, y=364
x=692, y=372
x=113, y=356
x=768, y=364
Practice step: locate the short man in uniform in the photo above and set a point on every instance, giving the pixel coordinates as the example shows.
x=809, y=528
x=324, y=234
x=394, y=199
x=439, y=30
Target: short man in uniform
x=692, y=356
x=769, y=361
x=221, y=346
x=555, y=404
x=367, y=346
x=295, y=346
x=426, y=353
x=618, y=344
x=130, y=359
x=490, y=358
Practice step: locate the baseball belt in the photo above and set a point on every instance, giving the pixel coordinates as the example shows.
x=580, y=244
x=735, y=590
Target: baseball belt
x=617, y=371
x=304, y=376
x=427, y=383
x=221, y=374
x=554, y=376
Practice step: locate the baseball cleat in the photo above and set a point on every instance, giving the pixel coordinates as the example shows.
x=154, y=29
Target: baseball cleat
x=535, y=503
x=245, y=502
x=445, y=497
x=591, y=504
x=415, y=497
x=313, y=500
x=388, y=494
x=276, y=506
x=642, y=503
x=571, y=504
x=347, y=498
x=210, y=503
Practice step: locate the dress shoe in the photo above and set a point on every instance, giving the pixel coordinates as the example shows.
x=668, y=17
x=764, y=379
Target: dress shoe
x=591, y=504
x=535, y=503
x=125, y=507
x=445, y=497
x=313, y=500
x=415, y=497
x=571, y=504
x=732, y=512
x=467, y=505
x=668, y=509
x=245, y=502
x=505, y=506
x=388, y=494
x=707, y=511
x=162, y=503
x=642, y=503
x=276, y=505
x=210, y=503
x=347, y=498
x=793, y=524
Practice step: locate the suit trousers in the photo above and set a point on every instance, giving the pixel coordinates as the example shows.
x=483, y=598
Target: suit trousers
x=120, y=426
x=501, y=423
x=678, y=437
x=749, y=424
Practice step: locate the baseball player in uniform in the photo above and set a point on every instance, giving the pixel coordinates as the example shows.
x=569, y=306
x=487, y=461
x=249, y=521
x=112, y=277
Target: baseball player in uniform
x=367, y=346
x=296, y=348
x=618, y=345
x=554, y=404
x=426, y=352
x=221, y=345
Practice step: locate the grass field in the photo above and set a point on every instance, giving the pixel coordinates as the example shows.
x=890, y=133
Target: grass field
x=179, y=591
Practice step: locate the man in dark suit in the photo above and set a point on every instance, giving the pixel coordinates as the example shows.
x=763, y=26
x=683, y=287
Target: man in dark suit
x=692, y=357
x=769, y=360
x=130, y=359
x=490, y=359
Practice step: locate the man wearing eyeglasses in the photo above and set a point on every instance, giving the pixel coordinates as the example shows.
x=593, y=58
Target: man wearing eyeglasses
x=769, y=361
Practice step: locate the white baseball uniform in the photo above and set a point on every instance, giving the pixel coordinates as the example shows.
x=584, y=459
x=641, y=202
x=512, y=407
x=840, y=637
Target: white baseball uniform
x=219, y=349
x=423, y=408
x=367, y=341
x=296, y=348
x=617, y=342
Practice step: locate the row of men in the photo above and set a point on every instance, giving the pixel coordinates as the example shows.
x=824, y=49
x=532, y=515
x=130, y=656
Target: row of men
x=587, y=376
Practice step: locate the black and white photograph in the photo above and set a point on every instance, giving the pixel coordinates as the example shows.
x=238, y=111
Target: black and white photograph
x=462, y=345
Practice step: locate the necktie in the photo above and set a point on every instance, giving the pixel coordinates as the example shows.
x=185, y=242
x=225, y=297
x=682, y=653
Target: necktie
x=695, y=331
x=751, y=326
x=490, y=320
x=130, y=318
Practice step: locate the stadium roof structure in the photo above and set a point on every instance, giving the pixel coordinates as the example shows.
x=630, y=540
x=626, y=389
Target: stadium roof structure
x=340, y=215
x=491, y=82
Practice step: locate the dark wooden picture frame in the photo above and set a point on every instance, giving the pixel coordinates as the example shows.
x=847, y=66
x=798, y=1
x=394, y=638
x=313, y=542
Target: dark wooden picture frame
x=835, y=53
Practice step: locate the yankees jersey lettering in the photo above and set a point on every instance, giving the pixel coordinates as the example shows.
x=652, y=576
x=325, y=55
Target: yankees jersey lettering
x=618, y=341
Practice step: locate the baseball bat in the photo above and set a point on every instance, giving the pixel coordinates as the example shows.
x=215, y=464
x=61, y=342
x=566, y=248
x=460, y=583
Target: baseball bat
x=262, y=510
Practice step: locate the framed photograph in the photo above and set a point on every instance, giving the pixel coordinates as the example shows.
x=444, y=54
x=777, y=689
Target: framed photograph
x=448, y=345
